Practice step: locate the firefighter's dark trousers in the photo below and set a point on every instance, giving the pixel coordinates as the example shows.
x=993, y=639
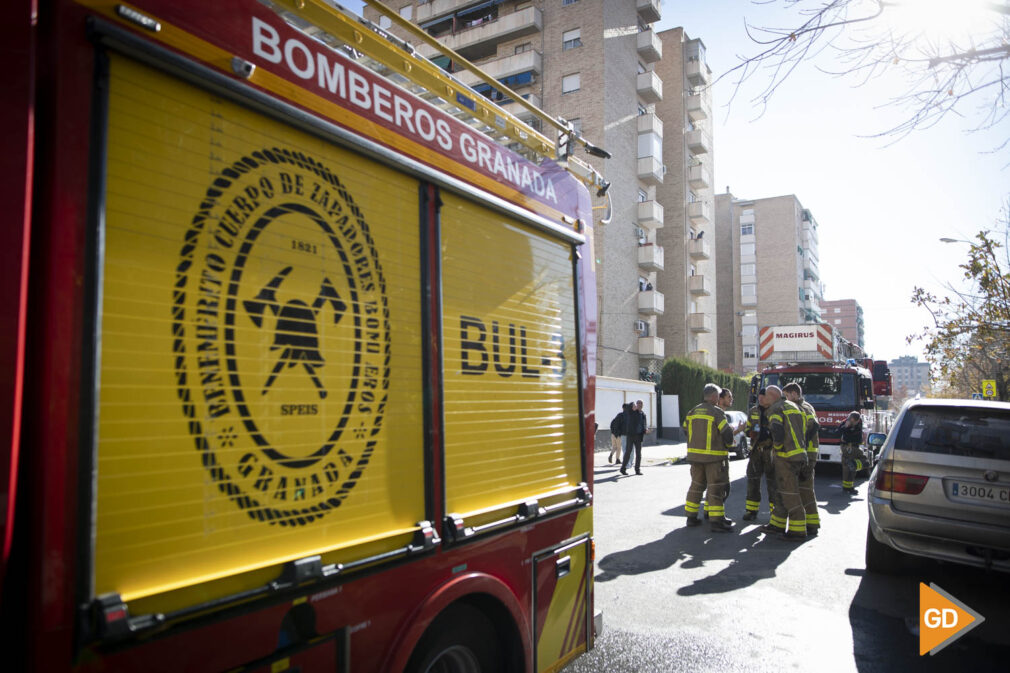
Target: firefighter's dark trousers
x=853, y=460
x=710, y=479
x=789, y=512
x=760, y=465
x=807, y=495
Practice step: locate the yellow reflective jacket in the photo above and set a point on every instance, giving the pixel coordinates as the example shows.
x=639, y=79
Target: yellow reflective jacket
x=812, y=428
x=787, y=423
x=708, y=434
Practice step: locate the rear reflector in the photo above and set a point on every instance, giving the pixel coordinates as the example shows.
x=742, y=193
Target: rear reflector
x=899, y=482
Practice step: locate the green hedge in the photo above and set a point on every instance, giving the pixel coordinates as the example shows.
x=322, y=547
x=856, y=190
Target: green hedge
x=687, y=379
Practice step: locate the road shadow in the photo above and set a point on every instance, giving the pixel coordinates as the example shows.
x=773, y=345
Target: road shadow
x=884, y=619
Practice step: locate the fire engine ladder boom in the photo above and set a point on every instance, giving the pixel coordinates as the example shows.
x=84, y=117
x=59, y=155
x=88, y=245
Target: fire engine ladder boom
x=398, y=61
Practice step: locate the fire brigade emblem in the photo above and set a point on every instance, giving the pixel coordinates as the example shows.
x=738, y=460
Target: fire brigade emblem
x=280, y=329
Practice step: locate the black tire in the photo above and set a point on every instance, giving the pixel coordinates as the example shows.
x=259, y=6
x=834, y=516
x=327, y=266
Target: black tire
x=461, y=640
x=880, y=558
x=742, y=450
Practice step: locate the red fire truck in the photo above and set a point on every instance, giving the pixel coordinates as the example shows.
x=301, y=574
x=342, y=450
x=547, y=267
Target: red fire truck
x=299, y=340
x=833, y=382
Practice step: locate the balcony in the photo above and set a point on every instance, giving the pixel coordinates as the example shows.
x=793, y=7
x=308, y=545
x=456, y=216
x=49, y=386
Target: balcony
x=648, y=10
x=699, y=212
x=650, y=47
x=699, y=285
x=436, y=8
x=697, y=107
x=698, y=142
x=697, y=72
x=699, y=177
x=650, y=87
x=651, y=170
x=478, y=41
x=699, y=322
x=650, y=214
x=699, y=357
x=651, y=348
x=650, y=257
x=519, y=111
x=528, y=61
x=650, y=302
x=650, y=123
x=698, y=248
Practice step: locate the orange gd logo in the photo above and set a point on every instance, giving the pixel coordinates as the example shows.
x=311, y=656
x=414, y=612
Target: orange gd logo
x=942, y=619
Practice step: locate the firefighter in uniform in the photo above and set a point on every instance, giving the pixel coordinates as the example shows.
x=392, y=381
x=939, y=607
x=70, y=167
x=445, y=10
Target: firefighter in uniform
x=788, y=441
x=708, y=439
x=759, y=464
x=853, y=458
x=794, y=393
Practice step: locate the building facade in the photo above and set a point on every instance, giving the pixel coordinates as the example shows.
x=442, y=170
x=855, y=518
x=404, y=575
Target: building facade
x=846, y=317
x=600, y=65
x=769, y=264
x=908, y=373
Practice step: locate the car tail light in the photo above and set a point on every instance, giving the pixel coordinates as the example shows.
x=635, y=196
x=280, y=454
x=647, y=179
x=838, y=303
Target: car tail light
x=899, y=482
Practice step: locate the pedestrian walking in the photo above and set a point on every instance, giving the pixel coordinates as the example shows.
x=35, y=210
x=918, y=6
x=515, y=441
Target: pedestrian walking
x=853, y=458
x=637, y=428
x=617, y=430
x=709, y=437
x=786, y=422
x=794, y=393
x=760, y=463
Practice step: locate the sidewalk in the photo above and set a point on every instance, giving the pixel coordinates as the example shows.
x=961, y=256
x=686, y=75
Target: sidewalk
x=657, y=454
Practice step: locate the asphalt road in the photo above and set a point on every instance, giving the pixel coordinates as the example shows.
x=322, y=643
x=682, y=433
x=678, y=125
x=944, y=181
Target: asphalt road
x=680, y=599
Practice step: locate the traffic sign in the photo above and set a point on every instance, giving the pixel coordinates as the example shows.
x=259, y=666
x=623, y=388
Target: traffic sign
x=988, y=388
x=976, y=396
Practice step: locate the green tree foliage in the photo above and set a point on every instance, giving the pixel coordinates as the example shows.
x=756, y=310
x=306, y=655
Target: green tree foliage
x=970, y=338
x=687, y=379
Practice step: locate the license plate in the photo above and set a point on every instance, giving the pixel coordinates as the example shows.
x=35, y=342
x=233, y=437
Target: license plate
x=980, y=492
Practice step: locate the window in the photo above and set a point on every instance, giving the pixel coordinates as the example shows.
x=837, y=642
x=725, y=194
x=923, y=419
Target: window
x=749, y=330
x=385, y=22
x=642, y=110
x=748, y=269
x=748, y=289
x=524, y=47
x=407, y=12
x=838, y=321
x=838, y=310
x=750, y=352
x=571, y=39
x=568, y=2
x=746, y=228
x=570, y=83
x=643, y=196
x=641, y=68
x=746, y=249
x=576, y=125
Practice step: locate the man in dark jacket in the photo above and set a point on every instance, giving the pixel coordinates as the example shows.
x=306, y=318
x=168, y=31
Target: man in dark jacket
x=617, y=432
x=636, y=432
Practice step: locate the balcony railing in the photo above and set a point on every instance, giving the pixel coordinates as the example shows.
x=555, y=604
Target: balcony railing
x=474, y=42
x=528, y=61
x=651, y=302
x=649, y=87
x=697, y=72
x=699, y=212
x=650, y=47
x=699, y=177
x=521, y=112
x=697, y=107
x=698, y=142
x=650, y=214
x=650, y=170
x=650, y=123
x=699, y=284
x=699, y=322
x=648, y=10
x=651, y=257
x=651, y=348
x=698, y=248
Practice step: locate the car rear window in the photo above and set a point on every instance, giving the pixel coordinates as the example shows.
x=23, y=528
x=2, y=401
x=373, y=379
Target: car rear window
x=978, y=433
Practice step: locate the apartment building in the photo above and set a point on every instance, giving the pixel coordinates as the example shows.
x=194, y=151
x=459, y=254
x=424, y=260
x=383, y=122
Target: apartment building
x=846, y=317
x=688, y=325
x=771, y=264
x=600, y=65
x=909, y=374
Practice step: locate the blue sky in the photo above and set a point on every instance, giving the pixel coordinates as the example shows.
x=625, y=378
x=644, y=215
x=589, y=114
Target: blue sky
x=881, y=205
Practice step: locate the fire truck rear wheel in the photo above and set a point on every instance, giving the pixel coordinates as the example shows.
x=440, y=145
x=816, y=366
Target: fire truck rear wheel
x=460, y=640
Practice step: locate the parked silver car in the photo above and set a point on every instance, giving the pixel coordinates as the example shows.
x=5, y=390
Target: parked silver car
x=942, y=486
x=735, y=418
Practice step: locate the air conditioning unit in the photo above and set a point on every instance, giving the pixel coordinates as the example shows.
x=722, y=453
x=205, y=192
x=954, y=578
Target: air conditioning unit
x=642, y=328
